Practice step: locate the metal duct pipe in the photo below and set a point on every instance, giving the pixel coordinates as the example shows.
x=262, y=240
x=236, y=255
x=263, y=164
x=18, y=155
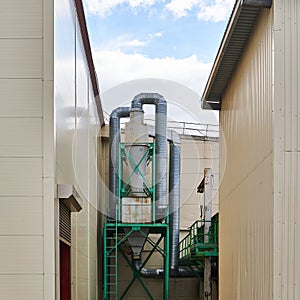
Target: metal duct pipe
x=182, y=272
x=160, y=146
x=114, y=140
x=174, y=196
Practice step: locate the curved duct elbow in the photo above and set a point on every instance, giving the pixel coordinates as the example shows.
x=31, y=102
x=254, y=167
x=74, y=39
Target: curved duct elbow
x=114, y=140
x=148, y=98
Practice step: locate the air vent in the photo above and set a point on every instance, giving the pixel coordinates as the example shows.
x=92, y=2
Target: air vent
x=64, y=222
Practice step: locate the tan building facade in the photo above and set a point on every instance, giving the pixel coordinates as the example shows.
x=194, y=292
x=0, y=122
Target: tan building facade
x=259, y=151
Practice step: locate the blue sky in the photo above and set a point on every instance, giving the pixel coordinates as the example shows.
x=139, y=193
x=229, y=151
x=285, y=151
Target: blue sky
x=156, y=32
x=175, y=40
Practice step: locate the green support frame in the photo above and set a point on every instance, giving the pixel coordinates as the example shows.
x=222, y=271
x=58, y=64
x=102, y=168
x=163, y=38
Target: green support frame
x=114, y=235
x=113, y=245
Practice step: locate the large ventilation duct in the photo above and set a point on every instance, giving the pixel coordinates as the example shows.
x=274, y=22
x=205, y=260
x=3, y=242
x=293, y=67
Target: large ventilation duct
x=160, y=146
x=174, y=199
x=114, y=140
x=174, y=194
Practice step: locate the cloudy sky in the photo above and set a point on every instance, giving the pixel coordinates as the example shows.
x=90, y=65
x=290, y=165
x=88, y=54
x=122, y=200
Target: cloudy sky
x=168, y=39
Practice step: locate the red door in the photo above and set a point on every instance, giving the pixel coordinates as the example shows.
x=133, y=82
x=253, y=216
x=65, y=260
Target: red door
x=65, y=271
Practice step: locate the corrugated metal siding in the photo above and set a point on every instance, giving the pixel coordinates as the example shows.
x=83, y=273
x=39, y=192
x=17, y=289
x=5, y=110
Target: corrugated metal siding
x=246, y=159
x=286, y=150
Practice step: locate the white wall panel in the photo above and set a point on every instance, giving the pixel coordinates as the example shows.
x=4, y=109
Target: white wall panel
x=77, y=128
x=196, y=165
x=21, y=255
x=23, y=101
x=191, y=148
x=25, y=287
x=21, y=137
x=93, y=136
x=82, y=140
x=21, y=58
x=21, y=149
x=19, y=18
x=21, y=215
x=21, y=177
x=64, y=82
x=196, y=154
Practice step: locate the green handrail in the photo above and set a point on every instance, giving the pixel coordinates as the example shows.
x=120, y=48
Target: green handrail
x=195, y=244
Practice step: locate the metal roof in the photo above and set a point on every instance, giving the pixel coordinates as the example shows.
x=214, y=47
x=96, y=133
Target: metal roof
x=239, y=27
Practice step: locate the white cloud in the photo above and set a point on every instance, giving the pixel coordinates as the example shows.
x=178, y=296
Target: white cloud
x=207, y=10
x=215, y=11
x=180, y=8
x=126, y=41
x=122, y=42
x=115, y=67
x=104, y=7
x=155, y=35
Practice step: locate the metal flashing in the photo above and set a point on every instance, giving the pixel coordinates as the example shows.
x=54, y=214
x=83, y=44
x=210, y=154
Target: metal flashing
x=89, y=57
x=68, y=194
x=238, y=30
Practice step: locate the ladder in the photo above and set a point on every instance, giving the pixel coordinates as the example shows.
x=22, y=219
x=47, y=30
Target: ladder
x=111, y=261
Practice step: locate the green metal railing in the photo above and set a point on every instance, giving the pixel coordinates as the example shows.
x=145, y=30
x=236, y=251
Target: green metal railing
x=197, y=244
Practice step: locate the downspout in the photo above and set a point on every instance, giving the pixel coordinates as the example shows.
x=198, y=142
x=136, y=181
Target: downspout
x=114, y=140
x=160, y=147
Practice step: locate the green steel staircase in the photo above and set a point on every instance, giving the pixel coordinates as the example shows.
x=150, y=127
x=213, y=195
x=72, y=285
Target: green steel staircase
x=194, y=247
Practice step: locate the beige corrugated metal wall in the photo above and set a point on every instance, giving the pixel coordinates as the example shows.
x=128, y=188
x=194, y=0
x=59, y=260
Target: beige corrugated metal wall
x=286, y=150
x=246, y=158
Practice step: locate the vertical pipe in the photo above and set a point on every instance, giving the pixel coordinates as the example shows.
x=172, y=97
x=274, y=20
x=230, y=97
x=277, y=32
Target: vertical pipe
x=114, y=140
x=166, y=265
x=207, y=224
x=174, y=196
